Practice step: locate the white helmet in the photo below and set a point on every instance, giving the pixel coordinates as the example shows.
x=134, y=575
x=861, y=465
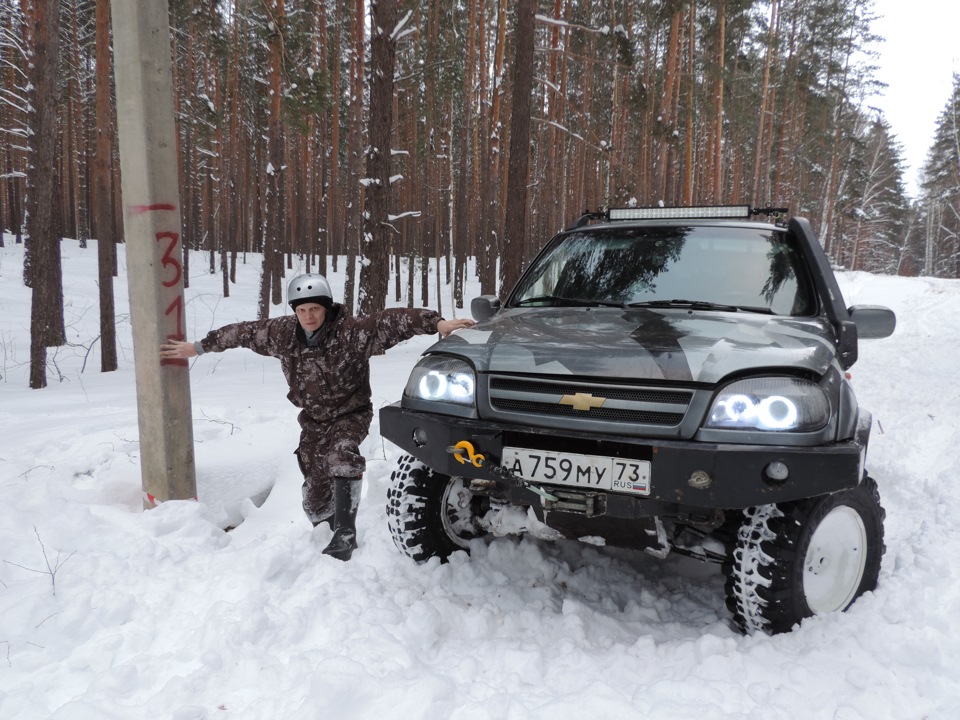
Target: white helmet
x=309, y=287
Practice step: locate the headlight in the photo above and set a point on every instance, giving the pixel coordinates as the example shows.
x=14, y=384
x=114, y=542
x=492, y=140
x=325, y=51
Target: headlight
x=442, y=379
x=776, y=404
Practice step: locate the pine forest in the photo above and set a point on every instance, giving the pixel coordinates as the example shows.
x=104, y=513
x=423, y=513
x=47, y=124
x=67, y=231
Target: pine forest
x=381, y=133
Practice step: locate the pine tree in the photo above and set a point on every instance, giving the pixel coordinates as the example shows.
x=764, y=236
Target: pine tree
x=42, y=267
x=879, y=230
x=103, y=173
x=940, y=201
x=377, y=229
x=13, y=118
x=516, y=222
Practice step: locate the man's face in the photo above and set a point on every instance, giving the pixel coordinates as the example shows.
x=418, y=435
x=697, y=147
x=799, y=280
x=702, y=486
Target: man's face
x=311, y=316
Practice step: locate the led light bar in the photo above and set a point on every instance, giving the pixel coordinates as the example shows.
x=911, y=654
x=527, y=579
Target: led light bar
x=672, y=213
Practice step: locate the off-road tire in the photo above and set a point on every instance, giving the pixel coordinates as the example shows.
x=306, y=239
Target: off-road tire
x=429, y=514
x=793, y=560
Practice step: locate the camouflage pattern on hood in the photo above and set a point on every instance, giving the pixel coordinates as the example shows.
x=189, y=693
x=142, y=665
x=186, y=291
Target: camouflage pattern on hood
x=332, y=379
x=642, y=343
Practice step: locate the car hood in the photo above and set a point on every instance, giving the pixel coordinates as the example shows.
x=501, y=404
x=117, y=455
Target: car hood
x=677, y=345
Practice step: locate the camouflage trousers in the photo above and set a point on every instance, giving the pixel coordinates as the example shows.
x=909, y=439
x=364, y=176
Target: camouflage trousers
x=327, y=451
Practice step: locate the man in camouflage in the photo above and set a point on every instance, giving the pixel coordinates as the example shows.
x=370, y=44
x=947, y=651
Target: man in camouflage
x=325, y=354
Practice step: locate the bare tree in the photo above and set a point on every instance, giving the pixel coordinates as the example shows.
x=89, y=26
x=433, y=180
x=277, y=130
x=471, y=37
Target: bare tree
x=42, y=269
x=103, y=172
x=13, y=118
x=463, y=196
x=354, y=197
x=273, y=252
x=516, y=222
x=377, y=230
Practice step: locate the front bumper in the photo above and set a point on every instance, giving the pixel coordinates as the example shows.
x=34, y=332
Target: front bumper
x=736, y=472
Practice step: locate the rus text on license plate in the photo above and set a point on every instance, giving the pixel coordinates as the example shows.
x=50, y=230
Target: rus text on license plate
x=595, y=472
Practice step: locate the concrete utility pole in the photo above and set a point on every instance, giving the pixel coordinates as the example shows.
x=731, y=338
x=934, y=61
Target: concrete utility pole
x=151, y=223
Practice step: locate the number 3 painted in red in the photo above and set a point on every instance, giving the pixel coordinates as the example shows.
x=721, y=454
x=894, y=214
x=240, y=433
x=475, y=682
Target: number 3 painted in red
x=167, y=260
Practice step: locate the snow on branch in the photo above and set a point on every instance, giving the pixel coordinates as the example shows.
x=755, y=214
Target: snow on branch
x=393, y=218
x=401, y=31
x=401, y=216
x=25, y=108
x=8, y=39
x=13, y=68
x=567, y=130
x=605, y=30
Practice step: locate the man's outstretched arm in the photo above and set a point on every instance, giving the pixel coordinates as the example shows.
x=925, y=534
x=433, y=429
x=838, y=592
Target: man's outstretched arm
x=445, y=327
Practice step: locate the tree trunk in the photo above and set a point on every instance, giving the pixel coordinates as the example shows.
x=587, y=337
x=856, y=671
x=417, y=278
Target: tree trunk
x=431, y=112
x=667, y=117
x=490, y=245
x=688, y=176
x=273, y=250
x=353, y=224
x=103, y=171
x=334, y=193
x=760, y=170
x=377, y=230
x=319, y=201
x=516, y=219
x=42, y=262
x=553, y=179
x=70, y=180
x=463, y=195
x=717, y=160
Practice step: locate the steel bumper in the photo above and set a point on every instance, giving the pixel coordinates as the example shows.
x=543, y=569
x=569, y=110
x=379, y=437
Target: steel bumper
x=686, y=476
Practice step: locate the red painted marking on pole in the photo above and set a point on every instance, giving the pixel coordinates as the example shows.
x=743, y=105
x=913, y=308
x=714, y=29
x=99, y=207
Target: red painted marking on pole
x=168, y=260
x=156, y=501
x=138, y=209
x=177, y=307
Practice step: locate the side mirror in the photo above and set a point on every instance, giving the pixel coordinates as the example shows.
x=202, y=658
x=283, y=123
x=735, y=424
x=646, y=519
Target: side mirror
x=484, y=307
x=873, y=321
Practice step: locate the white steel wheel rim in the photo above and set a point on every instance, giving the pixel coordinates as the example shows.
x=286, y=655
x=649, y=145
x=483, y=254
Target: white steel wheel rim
x=835, y=561
x=455, y=513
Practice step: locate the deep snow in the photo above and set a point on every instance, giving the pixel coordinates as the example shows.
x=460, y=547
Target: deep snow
x=163, y=614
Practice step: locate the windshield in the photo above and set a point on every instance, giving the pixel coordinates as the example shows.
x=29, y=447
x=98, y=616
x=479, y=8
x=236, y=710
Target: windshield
x=723, y=268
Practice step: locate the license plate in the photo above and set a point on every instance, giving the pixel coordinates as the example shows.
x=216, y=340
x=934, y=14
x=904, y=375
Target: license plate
x=590, y=472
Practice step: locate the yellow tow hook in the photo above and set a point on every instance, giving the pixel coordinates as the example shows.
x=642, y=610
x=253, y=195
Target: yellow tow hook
x=465, y=447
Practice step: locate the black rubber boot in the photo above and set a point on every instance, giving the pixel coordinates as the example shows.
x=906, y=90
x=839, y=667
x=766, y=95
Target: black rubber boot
x=346, y=499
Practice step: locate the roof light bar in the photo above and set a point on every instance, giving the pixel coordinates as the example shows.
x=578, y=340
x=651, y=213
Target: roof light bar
x=671, y=213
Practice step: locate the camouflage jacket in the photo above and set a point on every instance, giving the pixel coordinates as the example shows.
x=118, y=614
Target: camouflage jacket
x=332, y=379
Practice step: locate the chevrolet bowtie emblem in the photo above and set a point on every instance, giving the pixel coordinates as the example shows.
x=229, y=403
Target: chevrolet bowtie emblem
x=582, y=401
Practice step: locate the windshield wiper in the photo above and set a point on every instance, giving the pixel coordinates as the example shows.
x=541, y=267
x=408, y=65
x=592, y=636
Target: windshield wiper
x=692, y=304
x=579, y=302
x=758, y=309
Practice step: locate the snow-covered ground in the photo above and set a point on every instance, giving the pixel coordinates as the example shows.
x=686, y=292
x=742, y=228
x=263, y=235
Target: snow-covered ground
x=164, y=615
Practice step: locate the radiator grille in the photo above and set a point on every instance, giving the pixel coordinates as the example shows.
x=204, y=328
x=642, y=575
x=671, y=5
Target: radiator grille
x=622, y=404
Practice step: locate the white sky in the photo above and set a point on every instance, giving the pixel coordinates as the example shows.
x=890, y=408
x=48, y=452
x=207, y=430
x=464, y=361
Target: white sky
x=917, y=61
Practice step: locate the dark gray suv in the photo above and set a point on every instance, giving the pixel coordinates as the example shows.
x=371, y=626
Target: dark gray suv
x=666, y=379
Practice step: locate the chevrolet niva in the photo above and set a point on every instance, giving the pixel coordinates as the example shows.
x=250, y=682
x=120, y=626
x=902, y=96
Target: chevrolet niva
x=665, y=379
